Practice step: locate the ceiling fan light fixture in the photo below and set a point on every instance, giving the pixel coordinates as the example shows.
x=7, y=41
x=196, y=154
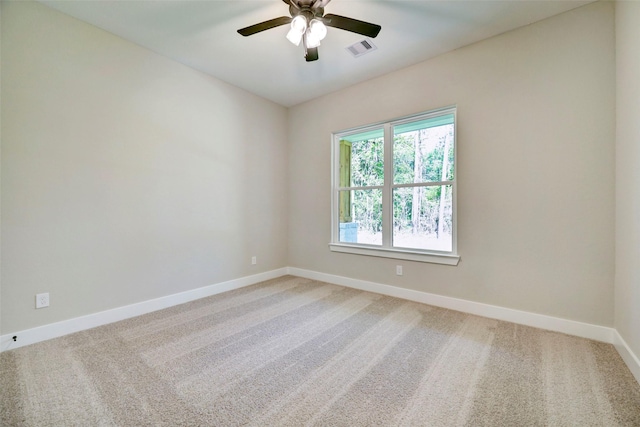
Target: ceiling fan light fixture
x=294, y=36
x=317, y=29
x=312, y=40
x=298, y=27
x=299, y=23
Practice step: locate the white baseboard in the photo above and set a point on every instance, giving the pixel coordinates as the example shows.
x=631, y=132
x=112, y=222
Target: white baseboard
x=627, y=355
x=65, y=327
x=570, y=327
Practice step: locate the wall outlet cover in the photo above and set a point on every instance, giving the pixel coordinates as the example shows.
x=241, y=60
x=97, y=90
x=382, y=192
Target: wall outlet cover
x=42, y=300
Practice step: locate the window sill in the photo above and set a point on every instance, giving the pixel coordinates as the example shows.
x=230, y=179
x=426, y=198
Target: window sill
x=434, y=258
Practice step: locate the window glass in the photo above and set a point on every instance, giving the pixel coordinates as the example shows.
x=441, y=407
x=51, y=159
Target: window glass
x=366, y=160
x=422, y=217
x=423, y=151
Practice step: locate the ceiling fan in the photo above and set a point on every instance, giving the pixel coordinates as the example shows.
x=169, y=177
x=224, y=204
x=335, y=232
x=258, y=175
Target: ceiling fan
x=309, y=25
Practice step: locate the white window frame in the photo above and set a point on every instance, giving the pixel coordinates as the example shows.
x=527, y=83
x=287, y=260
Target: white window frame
x=386, y=250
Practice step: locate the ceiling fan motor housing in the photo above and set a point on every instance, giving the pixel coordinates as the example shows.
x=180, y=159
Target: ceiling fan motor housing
x=306, y=11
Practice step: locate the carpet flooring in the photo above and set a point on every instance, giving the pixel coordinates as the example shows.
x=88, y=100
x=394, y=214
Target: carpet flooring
x=293, y=352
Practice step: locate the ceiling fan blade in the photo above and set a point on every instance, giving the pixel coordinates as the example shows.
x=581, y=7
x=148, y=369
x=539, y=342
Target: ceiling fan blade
x=312, y=54
x=353, y=25
x=266, y=25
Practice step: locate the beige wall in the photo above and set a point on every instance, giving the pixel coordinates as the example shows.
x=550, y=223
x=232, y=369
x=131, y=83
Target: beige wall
x=536, y=130
x=627, y=284
x=126, y=176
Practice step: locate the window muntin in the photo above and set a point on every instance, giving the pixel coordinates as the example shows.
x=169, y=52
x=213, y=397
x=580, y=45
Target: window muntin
x=406, y=201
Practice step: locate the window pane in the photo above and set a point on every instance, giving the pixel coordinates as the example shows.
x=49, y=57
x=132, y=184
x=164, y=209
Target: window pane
x=423, y=151
x=422, y=218
x=361, y=216
x=362, y=159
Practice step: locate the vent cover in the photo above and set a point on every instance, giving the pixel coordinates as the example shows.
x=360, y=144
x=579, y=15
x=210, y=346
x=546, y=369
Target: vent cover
x=362, y=47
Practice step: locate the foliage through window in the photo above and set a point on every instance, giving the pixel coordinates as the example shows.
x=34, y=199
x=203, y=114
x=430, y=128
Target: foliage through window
x=394, y=185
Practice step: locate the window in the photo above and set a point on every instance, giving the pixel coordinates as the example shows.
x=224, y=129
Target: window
x=394, y=189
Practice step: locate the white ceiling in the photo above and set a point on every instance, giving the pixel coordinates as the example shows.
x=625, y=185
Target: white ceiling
x=202, y=34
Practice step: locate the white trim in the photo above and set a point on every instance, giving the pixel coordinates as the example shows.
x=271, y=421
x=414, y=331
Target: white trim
x=571, y=327
x=632, y=361
x=408, y=255
x=65, y=327
x=580, y=329
x=387, y=190
x=454, y=186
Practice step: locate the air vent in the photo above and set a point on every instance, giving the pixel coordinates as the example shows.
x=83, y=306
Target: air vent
x=362, y=47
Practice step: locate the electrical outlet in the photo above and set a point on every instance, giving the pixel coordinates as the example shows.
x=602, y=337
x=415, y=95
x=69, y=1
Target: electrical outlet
x=398, y=270
x=254, y=260
x=42, y=300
